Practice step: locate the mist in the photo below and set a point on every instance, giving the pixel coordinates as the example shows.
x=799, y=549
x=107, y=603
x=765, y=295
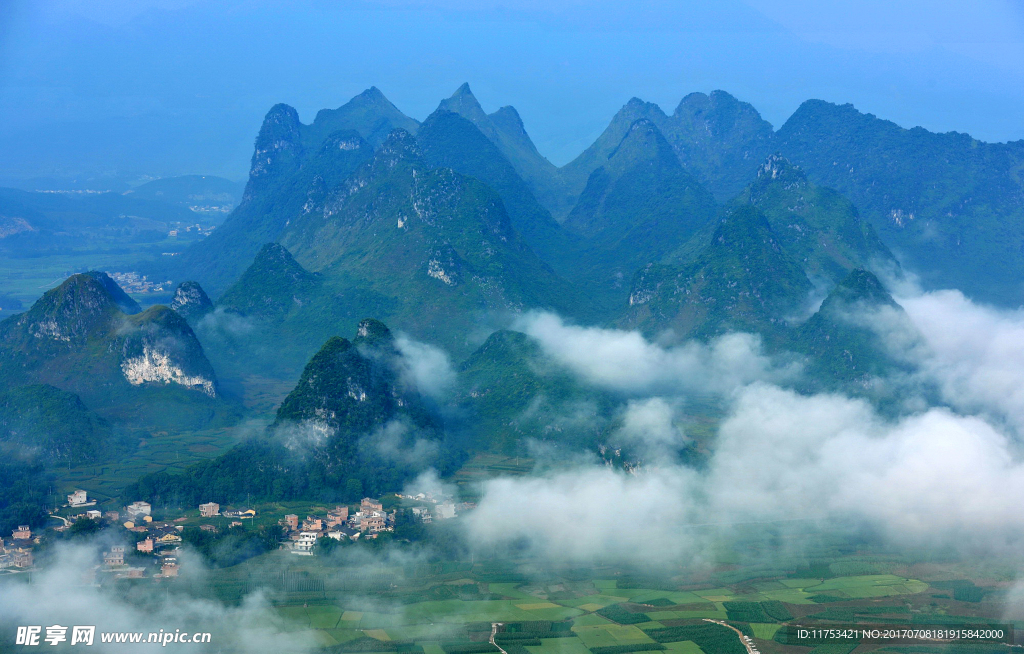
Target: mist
x=945, y=475
x=60, y=595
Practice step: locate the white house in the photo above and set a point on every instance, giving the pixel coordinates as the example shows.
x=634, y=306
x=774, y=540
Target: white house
x=305, y=544
x=78, y=498
x=137, y=510
x=209, y=509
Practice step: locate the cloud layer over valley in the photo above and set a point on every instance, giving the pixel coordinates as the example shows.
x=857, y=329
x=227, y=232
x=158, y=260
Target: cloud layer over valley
x=948, y=474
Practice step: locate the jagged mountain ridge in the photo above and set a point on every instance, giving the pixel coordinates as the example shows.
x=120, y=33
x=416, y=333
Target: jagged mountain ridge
x=289, y=170
x=505, y=129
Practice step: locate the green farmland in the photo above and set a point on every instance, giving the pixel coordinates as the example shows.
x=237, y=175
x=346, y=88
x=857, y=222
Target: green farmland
x=387, y=610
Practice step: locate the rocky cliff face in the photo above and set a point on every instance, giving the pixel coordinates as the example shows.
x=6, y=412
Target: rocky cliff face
x=158, y=346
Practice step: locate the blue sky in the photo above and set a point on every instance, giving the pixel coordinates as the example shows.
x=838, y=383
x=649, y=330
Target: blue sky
x=164, y=87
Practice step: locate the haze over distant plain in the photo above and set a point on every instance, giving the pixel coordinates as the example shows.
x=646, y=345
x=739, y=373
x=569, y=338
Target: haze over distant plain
x=166, y=87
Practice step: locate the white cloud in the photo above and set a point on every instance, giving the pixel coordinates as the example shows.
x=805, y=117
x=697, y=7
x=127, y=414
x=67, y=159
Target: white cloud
x=625, y=361
x=396, y=441
x=426, y=367
x=590, y=513
x=974, y=353
x=927, y=478
x=934, y=478
x=653, y=426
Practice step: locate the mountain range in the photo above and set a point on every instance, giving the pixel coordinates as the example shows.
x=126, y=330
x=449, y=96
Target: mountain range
x=681, y=226
x=943, y=203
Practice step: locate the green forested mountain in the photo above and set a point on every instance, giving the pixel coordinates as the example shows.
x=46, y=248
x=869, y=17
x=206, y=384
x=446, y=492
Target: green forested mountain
x=353, y=425
x=948, y=204
x=272, y=286
x=742, y=280
x=509, y=392
x=638, y=206
x=840, y=338
x=287, y=173
x=505, y=129
x=370, y=114
x=448, y=140
x=146, y=369
x=399, y=231
x=39, y=421
x=816, y=225
x=191, y=302
x=350, y=388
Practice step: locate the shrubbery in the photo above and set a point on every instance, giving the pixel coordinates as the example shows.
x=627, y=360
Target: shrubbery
x=619, y=614
x=709, y=636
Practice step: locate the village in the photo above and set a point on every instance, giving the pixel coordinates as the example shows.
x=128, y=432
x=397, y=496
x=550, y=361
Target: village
x=152, y=547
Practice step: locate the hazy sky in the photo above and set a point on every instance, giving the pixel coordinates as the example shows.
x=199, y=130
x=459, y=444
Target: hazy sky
x=166, y=87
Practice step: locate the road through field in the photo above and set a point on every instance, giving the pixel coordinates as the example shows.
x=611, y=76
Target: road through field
x=494, y=630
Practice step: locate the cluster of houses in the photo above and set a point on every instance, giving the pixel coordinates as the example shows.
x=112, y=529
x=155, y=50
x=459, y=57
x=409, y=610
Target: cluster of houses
x=161, y=540
x=78, y=500
x=115, y=563
x=368, y=522
x=16, y=552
